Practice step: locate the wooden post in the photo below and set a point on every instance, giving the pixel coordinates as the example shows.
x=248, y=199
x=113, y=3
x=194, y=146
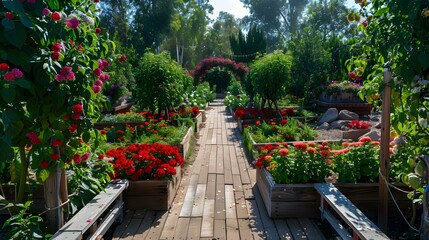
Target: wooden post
x=53, y=201
x=384, y=154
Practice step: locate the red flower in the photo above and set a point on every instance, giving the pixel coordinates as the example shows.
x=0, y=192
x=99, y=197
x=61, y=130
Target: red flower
x=258, y=123
x=98, y=30
x=85, y=156
x=8, y=15
x=365, y=139
x=283, y=121
x=311, y=150
x=56, y=16
x=96, y=1
x=300, y=145
x=103, y=132
x=122, y=58
x=73, y=128
x=55, y=156
x=76, y=158
x=55, y=56
x=4, y=67
x=56, y=47
x=76, y=116
x=97, y=72
x=44, y=164
x=9, y=77
x=34, y=138
x=352, y=75
x=283, y=152
x=101, y=156
x=56, y=142
x=77, y=108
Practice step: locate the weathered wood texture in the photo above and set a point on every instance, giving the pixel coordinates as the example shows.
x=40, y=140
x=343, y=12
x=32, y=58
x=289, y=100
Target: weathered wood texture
x=217, y=198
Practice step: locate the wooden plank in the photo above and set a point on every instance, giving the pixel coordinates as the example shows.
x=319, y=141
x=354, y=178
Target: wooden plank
x=242, y=168
x=219, y=229
x=295, y=228
x=248, y=191
x=269, y=225
x=157, y=225
x=311, y=229
x=211, y=187
x=198, y=207
x=219, y=160
x=360, y=224
x=230, y=202
x=220, y=198
x=227, y=171
x=282, y=229
x=255, y=218
x=232, y=229
x=182, y=228
x=208, y=218
x=241, y=206
x=236, y=179
x=145, y=225
x=213, y=159
x=123, y=227
x=209, y=136
x=244, y=229
x=233, y=160
x=189, y=197
x=131, y=229
x=194, y=230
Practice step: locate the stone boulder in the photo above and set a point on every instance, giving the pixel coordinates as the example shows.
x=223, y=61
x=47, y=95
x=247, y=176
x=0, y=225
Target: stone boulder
x=323, y=126
x=339, y=124
x=374, y=135
x=347, y=115
x=330, y=115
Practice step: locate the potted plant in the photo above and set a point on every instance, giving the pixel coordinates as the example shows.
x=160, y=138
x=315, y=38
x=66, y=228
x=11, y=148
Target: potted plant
x=154, y=171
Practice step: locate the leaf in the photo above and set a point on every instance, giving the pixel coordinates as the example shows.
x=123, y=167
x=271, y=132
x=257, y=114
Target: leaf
x=8, y=94
x=17, y=57
x=12, y=123
x=42, y=175
x=6, y=150
x=54, y=4
x=13, y=6
x=26, y=21
x=86, y=136
x=17, y=36
x=381, y=11
x=32, y=106
x=424, y=60
x=23, y=83
x=8, y=24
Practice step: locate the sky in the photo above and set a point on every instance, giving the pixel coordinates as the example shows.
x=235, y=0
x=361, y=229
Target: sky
x=236, y=7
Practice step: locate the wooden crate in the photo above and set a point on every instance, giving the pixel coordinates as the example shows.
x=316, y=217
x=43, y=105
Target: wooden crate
x=152, y=194
x=185, y=144
x=302, y=200
x=198, y=121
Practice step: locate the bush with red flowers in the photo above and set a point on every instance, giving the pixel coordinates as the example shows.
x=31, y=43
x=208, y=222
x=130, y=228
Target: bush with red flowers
x=145, y=161
x=356, y=124
x=266, y=113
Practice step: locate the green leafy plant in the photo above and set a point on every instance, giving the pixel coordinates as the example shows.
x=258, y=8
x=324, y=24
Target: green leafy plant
x=123, y=117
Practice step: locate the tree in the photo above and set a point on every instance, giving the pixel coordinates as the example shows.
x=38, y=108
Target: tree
x=115, y=18
x=246, y=48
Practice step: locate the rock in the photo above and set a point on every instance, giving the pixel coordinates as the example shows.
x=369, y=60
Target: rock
x=323, y=126
x=330, y=115
x=374, y=118
x=339, y=124
x=347, y=115
x=375, y=135
x=378, y=125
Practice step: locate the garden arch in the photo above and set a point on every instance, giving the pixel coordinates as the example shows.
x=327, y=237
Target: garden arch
x=239, y=70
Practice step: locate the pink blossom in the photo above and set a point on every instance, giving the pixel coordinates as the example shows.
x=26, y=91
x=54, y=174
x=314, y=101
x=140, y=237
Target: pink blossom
x=97, y=72
x=98, y=83
x=66, y=73
x=46, y=11
x=72, y=23
x=102, y=64
x=104, y=77
x=77, y=158
x=56, y=47
x=17, y=73
x=34, y=138
x=85, y=156
x=31, y=1
x=96, y=89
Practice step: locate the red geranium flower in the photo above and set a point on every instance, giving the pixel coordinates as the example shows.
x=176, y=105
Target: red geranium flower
x=56, y=16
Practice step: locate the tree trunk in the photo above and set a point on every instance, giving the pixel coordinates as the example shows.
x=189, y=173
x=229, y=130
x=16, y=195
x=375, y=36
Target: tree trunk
x=53, y=199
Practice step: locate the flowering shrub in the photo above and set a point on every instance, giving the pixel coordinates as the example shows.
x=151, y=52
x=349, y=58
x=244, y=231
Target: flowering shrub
x=124, y=117
x=238, y=69
x=356, y=124
x=200, y=96
x=265, y=113
x=285, y=130
x=145, y=161
x=302, y=162
x=342, y=86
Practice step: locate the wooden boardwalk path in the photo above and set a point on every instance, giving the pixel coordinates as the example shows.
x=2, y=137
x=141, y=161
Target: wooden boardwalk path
x=217, y=198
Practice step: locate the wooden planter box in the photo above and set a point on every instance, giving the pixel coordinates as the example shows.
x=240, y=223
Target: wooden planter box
x=241, y=123
x=152, y=194
x=354, y=134
x=302, y=200
x=186, y=143
x=198, y=121
x=204, y=115
x=359, y=108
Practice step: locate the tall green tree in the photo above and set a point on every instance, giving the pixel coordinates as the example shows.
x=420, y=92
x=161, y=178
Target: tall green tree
x=245, y=48
x=115, y=18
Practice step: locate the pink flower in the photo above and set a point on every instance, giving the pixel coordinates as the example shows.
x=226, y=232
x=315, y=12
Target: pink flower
x=98, y=83
x=17, y=73
x=103, y=64
x=77, y=158
x=97, y=72
x=56, y=47
x=72, y=23
x=34, y=138
x=55, y=56
x=123, y=58
x=352, y=75
x=96, y=89
x=104, y=77
x=31, y=1
x=66, y=73
x=85, y=156
x=46, y=11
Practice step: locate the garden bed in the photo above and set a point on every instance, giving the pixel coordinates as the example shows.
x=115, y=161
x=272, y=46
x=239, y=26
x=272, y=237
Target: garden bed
x=198, y=121
x=243, y=122
x=152, y=194
x=359, y=108
x=185, y=144
x=302, y=200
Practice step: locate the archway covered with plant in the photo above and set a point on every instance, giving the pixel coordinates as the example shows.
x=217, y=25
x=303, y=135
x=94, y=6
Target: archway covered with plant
x=203, y=69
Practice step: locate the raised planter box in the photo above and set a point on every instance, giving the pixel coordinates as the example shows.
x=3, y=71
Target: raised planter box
x=152, y=194
x=359, y=108
x=302, y=200
x=241, y=123
x=354, y=134
x=103, y=125
x=204, y=115
x=186, y=143
x=198, y=121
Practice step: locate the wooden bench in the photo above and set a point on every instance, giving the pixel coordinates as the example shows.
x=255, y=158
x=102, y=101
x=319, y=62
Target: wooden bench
x=86, y=219
x=361, y=226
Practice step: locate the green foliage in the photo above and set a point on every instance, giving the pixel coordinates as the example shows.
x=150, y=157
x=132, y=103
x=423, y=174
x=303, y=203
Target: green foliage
x=200, y=96
x=24, y=226
x=236, y=97
x=123, y=117
x=161, y=82
x=271, y=75
x=218, y=78
x=246, y=48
